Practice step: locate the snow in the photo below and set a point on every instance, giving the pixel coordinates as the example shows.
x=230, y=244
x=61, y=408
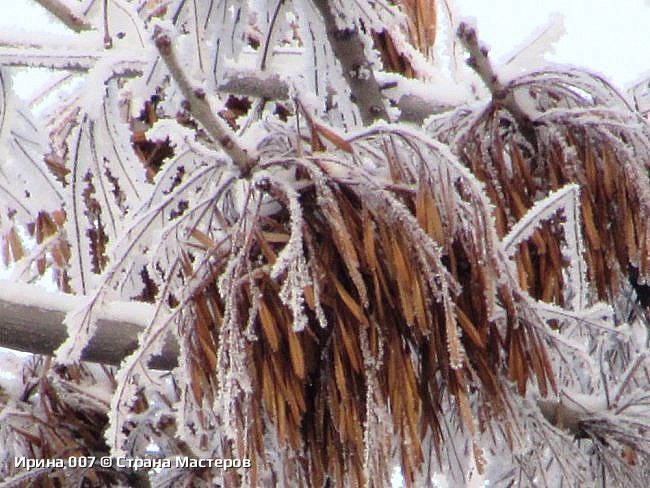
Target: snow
x=34, y=296
x=29, y=295
x=539, y=44
x=439, y=90
x=10, y=371
x=30, y=14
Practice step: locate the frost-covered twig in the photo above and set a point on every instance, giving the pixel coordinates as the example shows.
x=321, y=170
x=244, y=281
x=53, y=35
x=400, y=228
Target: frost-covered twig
x=479, y=62
x=54, y=60
x=62, y=11
x=357, y=70
x=200, y=108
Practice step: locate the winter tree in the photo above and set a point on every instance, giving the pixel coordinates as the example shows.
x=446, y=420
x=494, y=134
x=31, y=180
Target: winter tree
x=310, y=238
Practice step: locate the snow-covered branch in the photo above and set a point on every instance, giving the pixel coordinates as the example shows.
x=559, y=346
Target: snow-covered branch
x=62, y=11
x=480, y=62
x=55, y=60
x=413, y=108
x=256, y=84
x=357, y=70
x=200, y=107
x=31, y=320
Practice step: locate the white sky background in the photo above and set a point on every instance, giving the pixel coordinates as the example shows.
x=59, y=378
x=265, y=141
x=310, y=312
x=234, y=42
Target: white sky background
x=611, y=38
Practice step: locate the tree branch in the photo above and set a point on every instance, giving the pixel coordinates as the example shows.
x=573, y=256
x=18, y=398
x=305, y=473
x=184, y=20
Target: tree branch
x=36, y=58
x=479, y=61
x=31, y=320
x=200, y=108
x=575, y=414
x=272, y=87
x=67, y=61
x=349, y=50
x=65, y=14
x=416, y=109
x=255, y=84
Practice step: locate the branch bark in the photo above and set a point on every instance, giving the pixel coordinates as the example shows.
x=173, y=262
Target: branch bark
x=31, y=320
x=412, y=108
x=357, y=70
x=36, y=58
x=200, y=108
x=65, y=14
x=479, y=61
x=255, y=84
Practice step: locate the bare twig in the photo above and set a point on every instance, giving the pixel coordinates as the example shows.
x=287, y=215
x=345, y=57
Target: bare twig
x=267, y=42
x=479, y=61
x=65, y=14
x=629, y=374
x=200, y=108
x=357, y=70
x=108, y=40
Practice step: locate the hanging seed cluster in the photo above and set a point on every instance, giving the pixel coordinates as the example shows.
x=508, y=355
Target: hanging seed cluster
x=372, y=301
x=580, y=131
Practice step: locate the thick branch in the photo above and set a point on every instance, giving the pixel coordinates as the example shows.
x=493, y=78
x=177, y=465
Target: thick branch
x=357, y=70
x=415, y=109
x=200, y=108
x=256, y=84
x=65, y=14
x=31, y=320
x=272, y=87
x=479, y=61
